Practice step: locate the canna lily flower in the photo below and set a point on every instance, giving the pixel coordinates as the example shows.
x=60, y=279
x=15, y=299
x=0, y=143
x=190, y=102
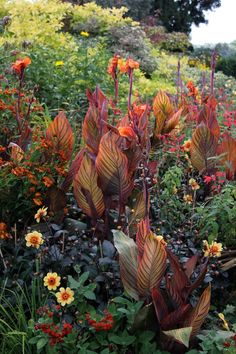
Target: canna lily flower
x=40, y=214
x=127, y=132
x=20, y=65
x=112, y=67
x=52, y=281
x=131, y=64
x=65, y=296
x=213, y=250
x=193, y=183
x=34, y=239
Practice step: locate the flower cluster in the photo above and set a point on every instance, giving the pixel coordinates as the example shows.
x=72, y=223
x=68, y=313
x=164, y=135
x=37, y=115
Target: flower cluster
x=105, y=324
x=55, y=333
x=124, y=67
x=20, y=65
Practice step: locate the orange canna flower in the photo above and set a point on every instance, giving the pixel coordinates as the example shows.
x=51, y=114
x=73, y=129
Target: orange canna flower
x=40, y=214
x=121, y=66
x=65, y=296
x=112, y=67
x=3, y=231
x=21, y=64
x=37, y=201
x=127, y=132
x=131, y=64
x=52, y=281
x=34, y=239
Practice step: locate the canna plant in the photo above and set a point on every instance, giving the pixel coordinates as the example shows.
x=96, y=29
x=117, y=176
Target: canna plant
x=143, y=267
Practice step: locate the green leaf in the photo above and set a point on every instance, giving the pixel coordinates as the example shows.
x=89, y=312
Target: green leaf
x=124, y=340
x=90, y=295
x=41, y=343
x=74, y=284
x=182, y=335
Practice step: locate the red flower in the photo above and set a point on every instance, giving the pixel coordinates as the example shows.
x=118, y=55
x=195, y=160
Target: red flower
x=207, y=179
x=226, y=344
x=20, y=65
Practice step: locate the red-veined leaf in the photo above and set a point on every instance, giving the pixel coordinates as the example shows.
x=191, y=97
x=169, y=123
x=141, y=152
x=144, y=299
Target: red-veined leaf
x=199, y=313
x=60, y=133
x=172, y=122
x=139, y=209
x=159, y=304
x=203, y=148
x=87, y=193
x=174, y=292
x=198, y=280
x=208, y=116
x=179, y=278
x=74, y=168
x=163, y=109
x=57, y=199
x=152, y=265
x=128, y=260
x=143, y=230
x=227, y=150
x=112, y=168
x=176, y=317
x=190, y=265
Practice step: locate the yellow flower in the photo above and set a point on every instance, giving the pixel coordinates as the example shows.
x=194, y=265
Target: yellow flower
x=84, y=34
x=193, y=183
x=52, y=281
x=188, y=198
x=225, y=323
x=174, y=190
x=59, y=63
x=65, y=296
x=40, y=214
x=213, y=250
x=34, y=239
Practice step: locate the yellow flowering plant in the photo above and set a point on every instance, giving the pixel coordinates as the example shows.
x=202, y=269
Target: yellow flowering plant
x=34, y=239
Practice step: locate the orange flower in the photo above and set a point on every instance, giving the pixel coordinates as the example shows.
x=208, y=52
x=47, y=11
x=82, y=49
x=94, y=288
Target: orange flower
x=193, y=183
x=186, y=145
x=40, y=214
x=112, y=67
x=213, y=250
x=121, y=66
x=34, y=239
x=48, y=182
x=127, y=132
x=20, y=65
x=52, y=281
x=37, y=201
x=19, y=171
x=188, y=198
x=131, y=64
x=3, y=231
x=65, y=296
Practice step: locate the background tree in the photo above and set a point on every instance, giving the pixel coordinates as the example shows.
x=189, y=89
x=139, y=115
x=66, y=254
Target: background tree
x=179, y=15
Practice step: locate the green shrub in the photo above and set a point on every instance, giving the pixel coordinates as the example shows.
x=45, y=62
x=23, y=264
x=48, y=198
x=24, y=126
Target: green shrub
x=227, y=65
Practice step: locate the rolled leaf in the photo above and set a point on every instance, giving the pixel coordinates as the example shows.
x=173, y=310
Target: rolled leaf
x=128, y=260
x=152, y=266
x=163, y=109
x=87, y=193
x=112, y=168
